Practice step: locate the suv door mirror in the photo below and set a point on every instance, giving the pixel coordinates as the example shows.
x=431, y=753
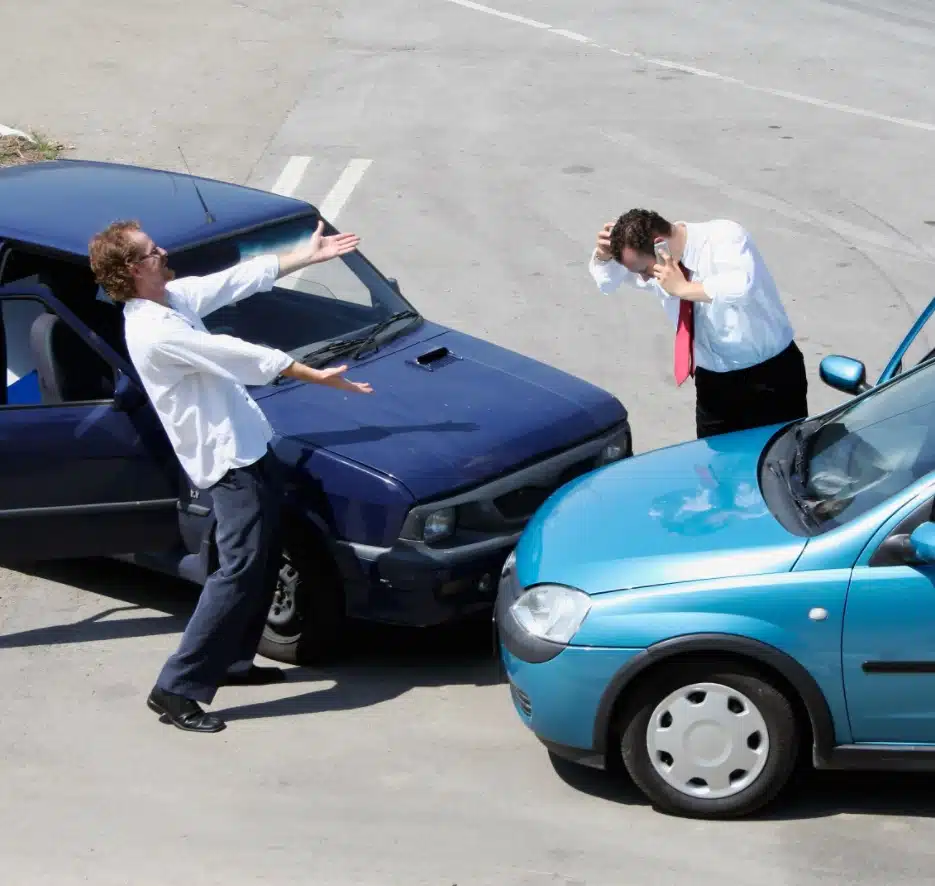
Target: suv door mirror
x=844, y=374
x=922, y=540
x=394, y=285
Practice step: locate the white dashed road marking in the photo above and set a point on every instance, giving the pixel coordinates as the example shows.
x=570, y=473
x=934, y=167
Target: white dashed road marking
x=291, y=176
x=699, y=72
x=343, y=188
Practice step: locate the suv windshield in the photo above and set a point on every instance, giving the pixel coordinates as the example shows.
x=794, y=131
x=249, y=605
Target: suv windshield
x=869, y=450
x=343, y=297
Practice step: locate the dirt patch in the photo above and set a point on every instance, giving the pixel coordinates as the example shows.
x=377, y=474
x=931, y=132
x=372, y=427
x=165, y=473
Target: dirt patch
x=16, y=150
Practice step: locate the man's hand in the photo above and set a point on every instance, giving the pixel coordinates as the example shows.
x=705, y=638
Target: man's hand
x=603, y=243
x=331, y=378
x=318, y=249
x=673, y=281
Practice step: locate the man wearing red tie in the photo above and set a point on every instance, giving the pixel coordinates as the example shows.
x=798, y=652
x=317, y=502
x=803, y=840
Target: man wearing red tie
x=731, y=330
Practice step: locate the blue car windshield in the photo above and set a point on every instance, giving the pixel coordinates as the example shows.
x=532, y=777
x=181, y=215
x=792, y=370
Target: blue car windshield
x=872, y=449
x=335, y=299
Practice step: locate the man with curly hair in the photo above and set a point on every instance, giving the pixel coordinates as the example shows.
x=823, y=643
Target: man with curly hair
x=732, y=332
x=196, y=381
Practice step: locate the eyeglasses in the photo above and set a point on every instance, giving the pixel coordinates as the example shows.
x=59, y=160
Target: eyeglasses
x=155, y=251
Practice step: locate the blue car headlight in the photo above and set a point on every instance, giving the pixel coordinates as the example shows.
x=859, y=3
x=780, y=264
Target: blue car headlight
x=551, y=612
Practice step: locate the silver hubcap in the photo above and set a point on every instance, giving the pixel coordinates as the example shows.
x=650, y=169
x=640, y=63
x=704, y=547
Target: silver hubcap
x=707, y=740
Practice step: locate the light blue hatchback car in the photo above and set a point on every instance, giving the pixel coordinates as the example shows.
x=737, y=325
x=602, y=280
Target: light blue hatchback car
x=708, y=612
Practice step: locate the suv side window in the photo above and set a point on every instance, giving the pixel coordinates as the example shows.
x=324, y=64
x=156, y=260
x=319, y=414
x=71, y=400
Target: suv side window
x=47, y=362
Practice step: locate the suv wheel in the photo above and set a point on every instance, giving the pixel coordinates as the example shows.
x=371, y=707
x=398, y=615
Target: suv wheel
x=306, y=621
x=709, y=740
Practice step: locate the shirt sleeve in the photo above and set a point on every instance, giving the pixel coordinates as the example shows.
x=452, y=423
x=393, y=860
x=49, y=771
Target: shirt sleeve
x=184, y=350
x=610, y=274
x=734, y=268
x=206, y=294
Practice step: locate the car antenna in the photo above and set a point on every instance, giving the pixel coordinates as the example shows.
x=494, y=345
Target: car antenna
x=191, y=178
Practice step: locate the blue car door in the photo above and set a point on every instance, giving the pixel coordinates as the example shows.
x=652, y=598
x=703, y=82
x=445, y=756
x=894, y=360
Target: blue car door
x=85, y=469
x=916, y=347
x=888, y=645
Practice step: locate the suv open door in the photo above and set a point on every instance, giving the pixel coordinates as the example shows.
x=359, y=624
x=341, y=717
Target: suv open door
x=85, y=468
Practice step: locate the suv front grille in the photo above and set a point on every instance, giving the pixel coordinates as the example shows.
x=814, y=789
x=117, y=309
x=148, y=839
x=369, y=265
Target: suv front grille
x=521, y=503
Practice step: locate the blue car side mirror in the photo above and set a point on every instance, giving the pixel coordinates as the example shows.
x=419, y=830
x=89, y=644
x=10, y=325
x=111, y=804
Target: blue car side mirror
x=844, y=374
x=923, y=542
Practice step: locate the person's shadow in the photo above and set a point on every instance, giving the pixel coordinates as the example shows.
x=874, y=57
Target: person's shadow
x=377, y=664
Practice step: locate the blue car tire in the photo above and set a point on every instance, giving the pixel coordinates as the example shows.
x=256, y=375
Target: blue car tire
x=709, y=739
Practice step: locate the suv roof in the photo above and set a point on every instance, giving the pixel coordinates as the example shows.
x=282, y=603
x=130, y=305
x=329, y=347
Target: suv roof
x=60, y=204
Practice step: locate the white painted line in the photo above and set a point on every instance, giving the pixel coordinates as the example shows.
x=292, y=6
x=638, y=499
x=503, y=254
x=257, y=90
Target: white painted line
x=343, y=188
x=8, y=130
x=291, y=176
x=507, y=15
x=713, y=75
x=571, y=35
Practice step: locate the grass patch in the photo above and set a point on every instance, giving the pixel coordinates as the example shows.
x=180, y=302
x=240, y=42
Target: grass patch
x=16, y=150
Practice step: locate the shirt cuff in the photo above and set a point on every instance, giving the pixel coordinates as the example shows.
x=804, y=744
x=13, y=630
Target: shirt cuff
x=274, y=364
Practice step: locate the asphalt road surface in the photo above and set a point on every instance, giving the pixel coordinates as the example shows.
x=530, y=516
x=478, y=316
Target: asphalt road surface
x=476, y=149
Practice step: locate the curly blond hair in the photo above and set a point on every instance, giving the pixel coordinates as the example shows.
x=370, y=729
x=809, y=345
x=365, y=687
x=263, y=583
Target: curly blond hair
x=112, y=251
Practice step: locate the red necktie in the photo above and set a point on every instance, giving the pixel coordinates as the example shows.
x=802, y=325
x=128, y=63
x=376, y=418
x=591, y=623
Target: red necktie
x=685, y=337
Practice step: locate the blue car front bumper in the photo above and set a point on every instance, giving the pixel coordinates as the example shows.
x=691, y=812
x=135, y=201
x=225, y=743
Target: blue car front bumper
x=558, y=690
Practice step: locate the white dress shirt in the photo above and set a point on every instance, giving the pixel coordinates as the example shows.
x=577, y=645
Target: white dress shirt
x=745, y=322
x=195, y=380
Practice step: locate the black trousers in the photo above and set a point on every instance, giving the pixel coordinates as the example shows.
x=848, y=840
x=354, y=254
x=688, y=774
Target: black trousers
x=771, y=392
x=224, y=631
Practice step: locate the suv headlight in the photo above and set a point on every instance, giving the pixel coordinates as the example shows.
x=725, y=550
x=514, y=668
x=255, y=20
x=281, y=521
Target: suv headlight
x=551, y=612
x=439, y=524
x=619, y=447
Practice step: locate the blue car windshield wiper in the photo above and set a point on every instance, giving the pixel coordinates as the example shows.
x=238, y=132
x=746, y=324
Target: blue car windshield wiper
x=808, y=517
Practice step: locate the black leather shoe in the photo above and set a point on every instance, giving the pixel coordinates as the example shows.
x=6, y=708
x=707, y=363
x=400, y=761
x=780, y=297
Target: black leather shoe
x=181, y=712
x=256, y=676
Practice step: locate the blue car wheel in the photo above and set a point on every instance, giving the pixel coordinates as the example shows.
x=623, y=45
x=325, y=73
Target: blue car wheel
x=709, y=739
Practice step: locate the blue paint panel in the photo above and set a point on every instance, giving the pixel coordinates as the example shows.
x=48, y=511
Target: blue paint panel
x=566, y=691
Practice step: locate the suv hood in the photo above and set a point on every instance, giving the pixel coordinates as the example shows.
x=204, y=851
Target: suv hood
x=474, y=413
x=684, y=513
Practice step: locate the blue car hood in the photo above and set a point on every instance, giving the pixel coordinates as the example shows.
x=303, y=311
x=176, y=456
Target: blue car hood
x=475, y=415
x=687, y=512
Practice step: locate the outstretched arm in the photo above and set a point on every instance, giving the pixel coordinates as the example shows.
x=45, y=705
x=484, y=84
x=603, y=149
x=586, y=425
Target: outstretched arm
x=317, y=249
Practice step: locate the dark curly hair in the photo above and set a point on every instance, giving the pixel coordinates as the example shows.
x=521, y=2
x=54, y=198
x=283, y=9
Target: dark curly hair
x=112, y=251
x=637, y=229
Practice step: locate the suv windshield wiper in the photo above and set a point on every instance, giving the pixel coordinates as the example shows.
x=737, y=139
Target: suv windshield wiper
x=332, y=349
x=356, y=345
x=369, y=343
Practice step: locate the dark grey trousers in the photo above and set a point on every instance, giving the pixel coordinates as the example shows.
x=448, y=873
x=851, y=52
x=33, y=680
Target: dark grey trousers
x=224, y=631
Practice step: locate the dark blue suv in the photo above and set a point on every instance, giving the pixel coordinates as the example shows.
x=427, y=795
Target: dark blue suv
x=401, y=506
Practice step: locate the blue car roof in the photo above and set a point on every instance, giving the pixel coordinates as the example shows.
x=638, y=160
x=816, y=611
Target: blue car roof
x=60, y=204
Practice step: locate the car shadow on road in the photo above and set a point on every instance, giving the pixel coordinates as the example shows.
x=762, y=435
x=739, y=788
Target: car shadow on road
x=810, y=795
x=378, y=663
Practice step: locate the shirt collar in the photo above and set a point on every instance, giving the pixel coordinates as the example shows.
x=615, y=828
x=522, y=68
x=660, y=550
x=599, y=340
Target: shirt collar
x=135, y=305
x=691, y=254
